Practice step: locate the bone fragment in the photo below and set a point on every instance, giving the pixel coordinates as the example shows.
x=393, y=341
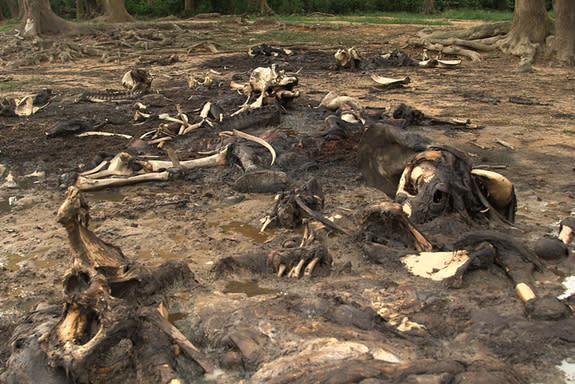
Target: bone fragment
x=310, y=267
x=317, y=216
x=524, y=292
x=266, y=221
x=219, y=158
x=566, y=230
x=86, y=184
x=436, y=266
x=97, y=133
x=255, y=139
x=332, y=102
x=281, y=270
x=118, y=166
x=388, y=81
x=295, y=272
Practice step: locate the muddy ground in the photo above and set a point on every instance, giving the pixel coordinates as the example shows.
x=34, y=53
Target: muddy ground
x=200, y=217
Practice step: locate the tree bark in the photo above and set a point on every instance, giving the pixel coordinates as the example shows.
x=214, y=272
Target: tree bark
x=38, y=18
x=115, y=12
x=189, y=6
x=565, y=30
x=265, y=9
x=428, y=7
x=531, y=25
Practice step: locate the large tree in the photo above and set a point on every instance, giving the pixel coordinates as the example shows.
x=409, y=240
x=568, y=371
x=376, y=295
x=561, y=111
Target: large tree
x=115, y=11
x=527, y=35
x=38, y=18
x=564, y=42
x=531, y=26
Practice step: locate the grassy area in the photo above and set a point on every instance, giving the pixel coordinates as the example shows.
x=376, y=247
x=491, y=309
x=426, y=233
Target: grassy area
x=5, y=86
x=376, y=18
x=8, y=25
x=477, y=14
x=405, y=18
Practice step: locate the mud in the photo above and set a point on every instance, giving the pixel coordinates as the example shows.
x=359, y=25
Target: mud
x=201, y=218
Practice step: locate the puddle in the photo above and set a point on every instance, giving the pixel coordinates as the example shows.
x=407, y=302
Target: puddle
x=568, y=368
x=10, y=261
x=104, y=196
x=247, y=230
x=250, y=288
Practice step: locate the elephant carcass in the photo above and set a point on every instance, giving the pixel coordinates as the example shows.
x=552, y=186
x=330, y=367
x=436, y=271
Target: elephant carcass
x=440, y=181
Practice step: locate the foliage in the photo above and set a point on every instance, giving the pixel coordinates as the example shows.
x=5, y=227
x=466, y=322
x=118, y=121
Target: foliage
x=161, y=8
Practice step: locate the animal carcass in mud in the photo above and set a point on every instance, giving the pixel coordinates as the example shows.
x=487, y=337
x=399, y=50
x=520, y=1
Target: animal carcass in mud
x=440, y=181
x=111, y=325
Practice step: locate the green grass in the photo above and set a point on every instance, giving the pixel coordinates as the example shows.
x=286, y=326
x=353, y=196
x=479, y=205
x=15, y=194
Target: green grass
x=4, y=86
x=477, y=14
x=8, y=25
x=375, y=18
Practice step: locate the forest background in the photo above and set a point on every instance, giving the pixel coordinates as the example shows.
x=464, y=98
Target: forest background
x=185, y=8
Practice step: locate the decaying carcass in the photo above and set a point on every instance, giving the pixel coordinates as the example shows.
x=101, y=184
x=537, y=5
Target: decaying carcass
x=113, y=325
x=440, y=181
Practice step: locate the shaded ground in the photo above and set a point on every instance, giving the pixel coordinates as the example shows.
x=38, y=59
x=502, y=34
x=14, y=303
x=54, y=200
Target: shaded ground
x=201, y=217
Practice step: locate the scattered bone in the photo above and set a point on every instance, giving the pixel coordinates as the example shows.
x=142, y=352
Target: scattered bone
x=566, y=228
x=255, y=139
x=348, y=57
x=333, y=102
x=436, y=266
x=388, y=82
x=109, y=134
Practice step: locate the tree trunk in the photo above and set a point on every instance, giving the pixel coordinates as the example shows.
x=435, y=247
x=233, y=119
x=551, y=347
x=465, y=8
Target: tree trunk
x=265, y=9
x=38, y=18
x=189, y=7
x=428, y=7
x=1, y=14
x=565, y=30
x=531, y=25
x=115, y=11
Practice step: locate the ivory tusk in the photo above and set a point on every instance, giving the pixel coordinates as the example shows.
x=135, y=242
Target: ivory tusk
x=310, y=267
x=524, y=292
x=281, y=270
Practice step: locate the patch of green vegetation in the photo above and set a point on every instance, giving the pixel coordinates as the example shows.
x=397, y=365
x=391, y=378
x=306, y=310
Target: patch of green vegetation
x=376, y=18
x=8, y=25
x=7, y=85
x=477, y=14
x=568, y=132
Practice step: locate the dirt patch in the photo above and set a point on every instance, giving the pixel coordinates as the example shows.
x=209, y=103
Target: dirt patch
x=201, y=217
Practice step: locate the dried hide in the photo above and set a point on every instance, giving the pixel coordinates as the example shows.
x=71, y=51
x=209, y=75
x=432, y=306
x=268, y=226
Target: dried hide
x=440, y=182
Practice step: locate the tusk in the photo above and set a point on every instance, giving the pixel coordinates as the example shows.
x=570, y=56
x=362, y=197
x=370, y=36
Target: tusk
x=310, y=267
x=255, y=139
x=281, y=270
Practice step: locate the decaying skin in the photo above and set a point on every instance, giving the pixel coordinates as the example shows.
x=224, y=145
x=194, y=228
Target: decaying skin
x=111, y=309
x=440, y=182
